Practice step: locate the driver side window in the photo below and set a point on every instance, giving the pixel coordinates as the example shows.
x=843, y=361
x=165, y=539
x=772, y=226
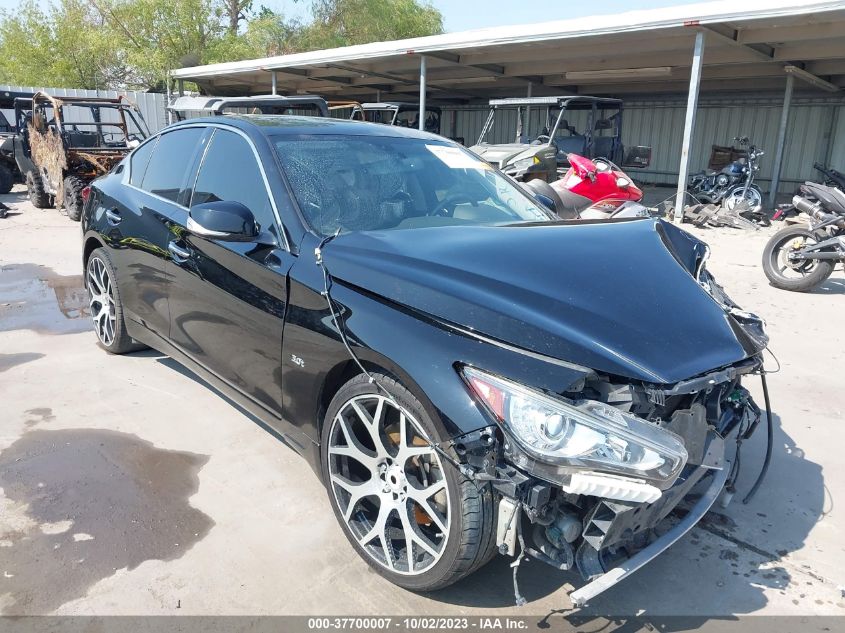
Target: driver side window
x=231, y=172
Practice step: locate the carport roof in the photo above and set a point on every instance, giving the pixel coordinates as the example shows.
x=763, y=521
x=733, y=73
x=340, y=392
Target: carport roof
x=748, y=47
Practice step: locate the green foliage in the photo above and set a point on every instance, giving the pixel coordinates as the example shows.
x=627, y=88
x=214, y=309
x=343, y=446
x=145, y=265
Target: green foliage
x=135, y=43
x=348, y=22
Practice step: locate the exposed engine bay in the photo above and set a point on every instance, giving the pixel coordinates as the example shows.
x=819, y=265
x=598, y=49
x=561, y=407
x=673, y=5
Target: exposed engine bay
x=596, y=522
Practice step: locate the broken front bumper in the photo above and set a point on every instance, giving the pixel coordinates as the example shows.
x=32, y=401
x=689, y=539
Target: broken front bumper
x=608, y=579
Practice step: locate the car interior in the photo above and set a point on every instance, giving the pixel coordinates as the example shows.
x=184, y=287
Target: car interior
x=355, y=185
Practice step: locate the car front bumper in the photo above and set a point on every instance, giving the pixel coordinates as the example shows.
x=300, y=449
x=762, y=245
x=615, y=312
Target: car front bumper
x=581, y=596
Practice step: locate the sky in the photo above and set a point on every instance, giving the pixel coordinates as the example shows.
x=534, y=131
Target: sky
x=462, y=15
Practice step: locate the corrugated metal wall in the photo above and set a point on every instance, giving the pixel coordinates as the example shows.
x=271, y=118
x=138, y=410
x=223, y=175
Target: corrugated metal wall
x=152, y=105
x=816, y=132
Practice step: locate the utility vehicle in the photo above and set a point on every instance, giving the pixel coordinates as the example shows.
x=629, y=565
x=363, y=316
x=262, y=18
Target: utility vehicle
x=548, y=129
x=66, y=142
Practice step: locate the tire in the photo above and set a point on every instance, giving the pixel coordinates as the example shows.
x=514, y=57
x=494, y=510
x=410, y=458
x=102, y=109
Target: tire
x=7, y=179
x=811, y=274
x=460, y=539
x=73, y=202
x=105, y=305
x=39, y=198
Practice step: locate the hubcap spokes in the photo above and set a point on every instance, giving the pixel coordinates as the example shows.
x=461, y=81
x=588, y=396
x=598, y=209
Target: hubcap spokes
x=787, y=265
x=388, y=484
x=101, y=300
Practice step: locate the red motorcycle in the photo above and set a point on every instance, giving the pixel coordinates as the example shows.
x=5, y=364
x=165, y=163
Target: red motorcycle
x=592, y=189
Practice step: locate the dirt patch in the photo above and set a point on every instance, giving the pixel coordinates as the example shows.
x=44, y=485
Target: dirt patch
x=80, y=504
x=38, y=415
x=37, y=298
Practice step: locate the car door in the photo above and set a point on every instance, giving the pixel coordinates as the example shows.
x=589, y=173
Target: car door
x=228, y=299
x=136, y=218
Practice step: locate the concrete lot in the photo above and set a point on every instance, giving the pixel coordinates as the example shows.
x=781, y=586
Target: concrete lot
x=129, y=487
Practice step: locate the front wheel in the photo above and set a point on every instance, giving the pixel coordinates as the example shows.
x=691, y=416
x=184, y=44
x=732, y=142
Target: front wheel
x=7, y=179
x=409, y=513
x=784, y=270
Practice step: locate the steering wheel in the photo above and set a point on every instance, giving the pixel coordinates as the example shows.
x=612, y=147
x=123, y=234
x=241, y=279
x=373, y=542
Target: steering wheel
x=446, y=208
x=548, y=139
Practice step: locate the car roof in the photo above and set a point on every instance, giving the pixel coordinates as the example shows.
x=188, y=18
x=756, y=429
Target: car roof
x=292, y=125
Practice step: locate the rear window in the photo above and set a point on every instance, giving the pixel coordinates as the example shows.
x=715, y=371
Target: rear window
x=138, y=162
x=169, y=164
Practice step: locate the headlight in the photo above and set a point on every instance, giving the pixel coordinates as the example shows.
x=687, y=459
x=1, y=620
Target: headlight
x=525, y=163
x=580, y=435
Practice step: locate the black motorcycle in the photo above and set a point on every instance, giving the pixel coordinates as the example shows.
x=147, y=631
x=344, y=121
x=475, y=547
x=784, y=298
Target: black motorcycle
x=832, y=178
x=734, y=184
x=800, y=258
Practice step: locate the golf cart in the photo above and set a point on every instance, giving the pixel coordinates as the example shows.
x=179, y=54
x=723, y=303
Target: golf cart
x=300, y=105
x=403, y=115
x=548, y=129
x=66, y=142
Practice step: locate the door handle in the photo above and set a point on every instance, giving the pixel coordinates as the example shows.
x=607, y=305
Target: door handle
x=179, y=254
x=113, y=217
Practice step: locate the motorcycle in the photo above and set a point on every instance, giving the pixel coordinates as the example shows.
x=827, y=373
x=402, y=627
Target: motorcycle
x=734, y=184
x=832, y=178
x=800, y=258
x=591, y=189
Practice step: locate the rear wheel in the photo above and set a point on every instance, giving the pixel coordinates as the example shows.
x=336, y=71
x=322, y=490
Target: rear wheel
x=784, y=270
x=408, y=512
x=753, y=197
x=105, y=305
x=38, y=196
x=73, y=197
x=7, y=179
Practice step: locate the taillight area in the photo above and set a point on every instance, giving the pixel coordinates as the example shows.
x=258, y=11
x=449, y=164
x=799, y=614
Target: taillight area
x=86, y=193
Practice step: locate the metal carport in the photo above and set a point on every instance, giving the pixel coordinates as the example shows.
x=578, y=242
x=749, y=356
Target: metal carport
x=756, y=47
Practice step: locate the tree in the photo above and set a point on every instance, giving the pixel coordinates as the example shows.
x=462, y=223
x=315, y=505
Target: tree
x=347, y=22
x=64, y=46
x=134, y=44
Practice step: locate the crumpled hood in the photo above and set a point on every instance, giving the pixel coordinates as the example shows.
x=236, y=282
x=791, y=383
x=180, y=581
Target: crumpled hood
x=497, y=153
x=617, y=297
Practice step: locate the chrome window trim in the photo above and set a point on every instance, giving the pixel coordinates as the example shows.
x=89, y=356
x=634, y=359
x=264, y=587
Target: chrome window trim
x=279, y=224
x=127, y=173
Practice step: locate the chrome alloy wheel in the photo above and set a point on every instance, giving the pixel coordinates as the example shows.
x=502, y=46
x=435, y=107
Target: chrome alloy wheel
x=101, y=300
x=752, y=197
x=388, y=484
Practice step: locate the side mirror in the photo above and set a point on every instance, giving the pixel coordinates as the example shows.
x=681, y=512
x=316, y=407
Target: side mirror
x=637, y=156
x=222, y=220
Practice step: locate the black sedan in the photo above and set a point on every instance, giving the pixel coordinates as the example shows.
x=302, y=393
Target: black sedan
x=467, y=373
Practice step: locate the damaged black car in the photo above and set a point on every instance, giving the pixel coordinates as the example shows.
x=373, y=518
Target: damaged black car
x=467, y=373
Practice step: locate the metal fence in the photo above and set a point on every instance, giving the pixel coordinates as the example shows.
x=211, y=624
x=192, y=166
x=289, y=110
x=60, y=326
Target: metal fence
x=153, y=105
x=816, y=129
